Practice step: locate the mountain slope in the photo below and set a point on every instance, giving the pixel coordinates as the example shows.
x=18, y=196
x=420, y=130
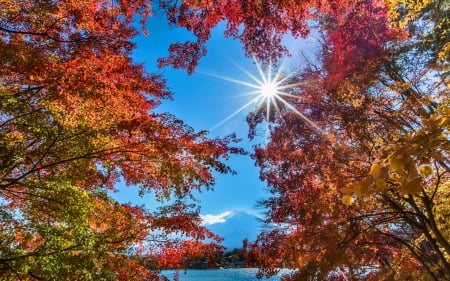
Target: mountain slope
x=237, y=227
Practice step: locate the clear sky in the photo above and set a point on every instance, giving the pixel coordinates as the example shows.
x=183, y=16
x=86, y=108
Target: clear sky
x=204, y=100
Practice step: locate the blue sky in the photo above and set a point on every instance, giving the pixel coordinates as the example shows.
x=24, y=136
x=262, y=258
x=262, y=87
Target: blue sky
x=203, y=100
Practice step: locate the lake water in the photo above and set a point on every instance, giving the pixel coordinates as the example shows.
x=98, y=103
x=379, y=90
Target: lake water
x=232, y=274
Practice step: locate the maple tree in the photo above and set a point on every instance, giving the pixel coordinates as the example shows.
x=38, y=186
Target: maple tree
x=77, y=117
x=364, y=198
x=383, y=109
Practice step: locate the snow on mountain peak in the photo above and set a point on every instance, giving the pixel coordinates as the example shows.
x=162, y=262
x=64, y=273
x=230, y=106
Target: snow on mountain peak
x=234, y=227
x=213, y=219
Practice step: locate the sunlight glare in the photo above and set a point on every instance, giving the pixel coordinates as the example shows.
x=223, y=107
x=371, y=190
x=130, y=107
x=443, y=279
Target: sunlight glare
x=268, y=88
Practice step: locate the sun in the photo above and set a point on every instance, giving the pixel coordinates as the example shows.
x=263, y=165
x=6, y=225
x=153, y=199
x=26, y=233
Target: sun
x=269, y=89
x=268, y=85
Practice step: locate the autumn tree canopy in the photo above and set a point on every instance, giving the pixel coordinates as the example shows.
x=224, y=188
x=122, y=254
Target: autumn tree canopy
x=76, y=117
x=366, y=196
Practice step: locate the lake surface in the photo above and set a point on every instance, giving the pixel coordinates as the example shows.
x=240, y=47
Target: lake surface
x=232, y=274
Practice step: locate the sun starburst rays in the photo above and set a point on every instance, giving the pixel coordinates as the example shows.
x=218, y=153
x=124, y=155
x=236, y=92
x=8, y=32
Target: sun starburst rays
x=268, y=89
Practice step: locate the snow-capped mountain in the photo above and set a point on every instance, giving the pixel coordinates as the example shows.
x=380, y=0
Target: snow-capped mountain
x=234, y=227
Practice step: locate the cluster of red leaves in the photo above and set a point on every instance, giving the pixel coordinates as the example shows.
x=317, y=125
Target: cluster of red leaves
x=356, y=30
x=180, y=255
x=259, y=25
x=356, y=40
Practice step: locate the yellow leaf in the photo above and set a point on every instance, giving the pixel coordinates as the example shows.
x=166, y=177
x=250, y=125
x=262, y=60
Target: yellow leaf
x=347, y=200
x=363, y=187
x=414, y=186
x=398, y=177
x=426, y=170
x=395, y=163
x=380, y=184
x=445, y=121
x=375, y=170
